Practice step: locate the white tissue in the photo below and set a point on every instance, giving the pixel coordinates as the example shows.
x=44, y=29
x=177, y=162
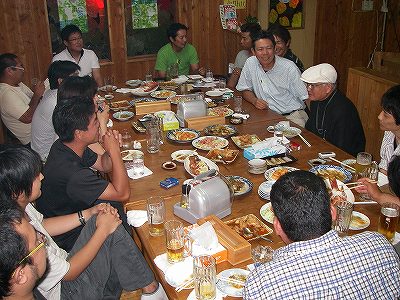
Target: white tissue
x=136, y=218
x=204, y=236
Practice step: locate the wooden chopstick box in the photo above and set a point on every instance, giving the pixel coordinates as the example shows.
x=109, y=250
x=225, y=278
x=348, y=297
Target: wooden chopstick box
x=239, y=250
x=199, y=123
x=143, y=108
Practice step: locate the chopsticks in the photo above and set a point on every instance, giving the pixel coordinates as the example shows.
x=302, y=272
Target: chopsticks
x=184, y=284
x=231, y=280
x=338, y=161
x=358, y=183
x=304, y=140
x=365, y=202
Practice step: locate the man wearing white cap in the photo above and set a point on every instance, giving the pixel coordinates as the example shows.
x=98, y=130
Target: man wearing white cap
x=332, y=115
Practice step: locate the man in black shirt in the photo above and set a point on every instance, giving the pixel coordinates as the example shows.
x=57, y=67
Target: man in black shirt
x=332, y=116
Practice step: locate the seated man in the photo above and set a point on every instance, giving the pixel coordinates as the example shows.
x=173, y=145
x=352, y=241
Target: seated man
x=70, y=184
x=332, y=115
x=282, y=47
x=43, y=134
x=17, y=101
x=22, y=255
x=103, y=261
x=74, y=51
x=247, y=30
x=317, y=263
x=177, y=54
x=272, y=82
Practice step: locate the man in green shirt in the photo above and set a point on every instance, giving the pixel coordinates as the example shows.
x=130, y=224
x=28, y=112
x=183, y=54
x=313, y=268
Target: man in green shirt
x=177, y=57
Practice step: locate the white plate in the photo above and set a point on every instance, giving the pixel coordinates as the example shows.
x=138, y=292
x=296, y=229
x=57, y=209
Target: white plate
x=360, y=224
x=196, y=76
x=108, y=97
x=214, y=93
x=178, y=273
x=209, y=163
x=288, y=132
x=347, y=191
x=228, y=288
x=140, y=91
x=176, y=155
x=127, y=154
x=133, y=82
x=163, y=94
x=123, y=115
x=268, y=174
x=180, y=79
x=215, y=142
x=103, y=88
x=266, y=213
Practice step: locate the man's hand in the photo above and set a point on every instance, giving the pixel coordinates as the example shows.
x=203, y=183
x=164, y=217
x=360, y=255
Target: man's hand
x=369, y=188
x=107, y=222
x=261, y=104
x=202, y=71
x=38, y=89
x=102, y=116
x=112, y=141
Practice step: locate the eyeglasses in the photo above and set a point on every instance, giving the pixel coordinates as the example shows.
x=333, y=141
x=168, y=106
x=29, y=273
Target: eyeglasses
x=312, y=86
x=18, y=68
x=42, y=240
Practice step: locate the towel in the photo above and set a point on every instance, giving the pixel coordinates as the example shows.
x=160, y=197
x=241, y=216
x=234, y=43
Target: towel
x=136, y=218
x=146, y=172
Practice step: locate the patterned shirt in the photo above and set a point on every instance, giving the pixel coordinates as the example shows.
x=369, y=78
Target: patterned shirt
x=363, y=266
x=387, y=149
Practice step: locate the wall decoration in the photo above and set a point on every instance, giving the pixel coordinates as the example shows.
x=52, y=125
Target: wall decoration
x=288, y=13
x=228, y=17
x=73, y=12
x=144, y=14
x=240, y=4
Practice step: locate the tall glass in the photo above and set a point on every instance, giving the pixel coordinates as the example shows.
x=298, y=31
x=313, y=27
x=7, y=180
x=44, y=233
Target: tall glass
x=388, y=220
x=344, y=210
x=204, y=274
x=237, y=104
x=174, y=239
x=371, y=173
x=364, y=160
x=156, y=215
x=153, y=137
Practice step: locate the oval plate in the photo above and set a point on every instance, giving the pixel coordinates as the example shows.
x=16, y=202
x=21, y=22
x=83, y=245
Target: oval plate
x=163, y=94
x=173, y=135
x=247, y=185
x=209, y=163
x=266, y=213
x=127, y=154
x=288, y=132
x=221, y=111
x=123, y=115
x=221, y=130
x=104, y=88
x=180, y=155
x=276, y=172
x=208, y=142
x=336, y=171
x=133, y=83
x=229, y=288
x=359, y=221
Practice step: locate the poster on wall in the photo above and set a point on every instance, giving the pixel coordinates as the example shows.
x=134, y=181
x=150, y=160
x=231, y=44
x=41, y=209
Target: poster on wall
x=144, y=14
x=228, y=17
x=73, y=12
x=240, y=4
x=288, y=13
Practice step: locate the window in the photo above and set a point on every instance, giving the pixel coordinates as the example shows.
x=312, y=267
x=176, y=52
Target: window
x=146, y=32
x=89, y=15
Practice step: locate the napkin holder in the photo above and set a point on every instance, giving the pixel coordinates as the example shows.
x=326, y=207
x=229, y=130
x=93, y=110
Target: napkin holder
x=210, y=194
x=191, y=109
x=199, y=123
x=143, y=108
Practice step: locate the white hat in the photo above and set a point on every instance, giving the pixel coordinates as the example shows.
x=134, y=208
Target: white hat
x=322, y=73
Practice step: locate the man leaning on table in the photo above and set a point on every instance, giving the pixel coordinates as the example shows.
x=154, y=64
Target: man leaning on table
x=272, y=82
x=317, y=263
x=332, y=115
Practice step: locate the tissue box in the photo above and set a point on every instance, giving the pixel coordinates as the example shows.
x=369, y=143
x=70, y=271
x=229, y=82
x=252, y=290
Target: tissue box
x=170, y=124
x=251, y=153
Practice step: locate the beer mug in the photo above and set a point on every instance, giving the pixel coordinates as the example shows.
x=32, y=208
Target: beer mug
x=156, y=215
x=178, y=244
x=388, y=220
x=371, y=173
x=204, y=274
x=344, y=210
x=363, y=161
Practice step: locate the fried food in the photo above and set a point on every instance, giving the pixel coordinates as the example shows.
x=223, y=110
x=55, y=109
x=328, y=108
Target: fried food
x=226, y=155
x=239, y=277
x=331, y=173
x=249, y=221
x=278, y=173
x=220, y=130
x=185, y=135
x=196, y=165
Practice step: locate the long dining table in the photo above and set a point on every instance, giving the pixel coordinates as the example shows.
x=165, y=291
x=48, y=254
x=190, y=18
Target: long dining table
x=250, y=203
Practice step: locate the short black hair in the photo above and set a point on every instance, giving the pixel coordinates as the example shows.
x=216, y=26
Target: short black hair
x=72, y=114
x=301, y=203
x=252, y=28
x=391, y=102
x=7, y=60
x=76, y=86
x=260, y=35
x=173, y=29
x=13, y=246
x=280, y=31
x=19, y=167
x=60, y=69
x=68, y=30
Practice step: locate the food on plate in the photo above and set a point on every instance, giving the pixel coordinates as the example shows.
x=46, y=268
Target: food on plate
x=220, y=130
x=168, y=85
x=163, y=94
x=237, y=185
x=278, y=160
x=336, y=193
x=209, y=142
x=120, y=104
x=357, y=221
x=185, y=135
x=149, y=86
x=222, y=154
x=196, y=165
x=221, y=111
x=278, y=173
x=251, y=222
x=127, y=155
x=331, y=173
x=238, y=277
x=179, y=98
x=246, y=140
x=182, y=156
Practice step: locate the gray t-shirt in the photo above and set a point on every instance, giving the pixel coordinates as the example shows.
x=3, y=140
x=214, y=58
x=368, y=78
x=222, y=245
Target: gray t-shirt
x=241, y=58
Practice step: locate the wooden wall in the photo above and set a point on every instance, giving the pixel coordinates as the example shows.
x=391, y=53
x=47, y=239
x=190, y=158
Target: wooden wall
x=25, y=33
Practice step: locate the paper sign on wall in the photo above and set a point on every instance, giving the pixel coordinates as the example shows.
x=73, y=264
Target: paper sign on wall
x=228, y=17
x=240, y=4
x=73, y=12
x=144, y=14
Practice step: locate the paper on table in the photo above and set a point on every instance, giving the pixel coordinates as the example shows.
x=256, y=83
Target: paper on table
x=162, y=263
x=382, y=179
x=136, y=218
x=124, y=90
x=146, y=172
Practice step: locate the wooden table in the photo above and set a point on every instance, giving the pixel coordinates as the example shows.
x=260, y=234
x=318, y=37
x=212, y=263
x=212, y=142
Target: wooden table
x=142, y=188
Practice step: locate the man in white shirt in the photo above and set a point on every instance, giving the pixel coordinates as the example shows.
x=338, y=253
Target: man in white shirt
x=74, y=51
x=272, y=82
x=43, y=134
x=17, y=101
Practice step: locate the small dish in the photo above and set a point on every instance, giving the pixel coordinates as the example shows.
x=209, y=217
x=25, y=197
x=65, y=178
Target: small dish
x=359, y=221
x=236, y=121
x=169, y=165
x=108, y=97
x=232, y=289
x=133, y=83
x=180, y=155
x=123, y=115
x=104, y=88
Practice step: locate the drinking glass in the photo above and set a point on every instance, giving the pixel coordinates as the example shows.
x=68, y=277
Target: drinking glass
x=372, y=174
x=126, y=140
x=363, y=161
x=153, y=139
x=209, y=75
x=149, y=77
x=204, y=274
x=278, y=132
x=156, y=215
x=237, y=104
x=222, y=84
x=344, y=210
x=388, y=220
x=174, y=239
x=138, y=162
x=109, y=83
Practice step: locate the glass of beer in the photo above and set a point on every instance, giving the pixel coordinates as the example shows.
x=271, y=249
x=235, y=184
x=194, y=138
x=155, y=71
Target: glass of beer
x=364, y=160
x=174, y=238
x=343, y=217
x=204, y=274
x=388, y=220
x=156, y=215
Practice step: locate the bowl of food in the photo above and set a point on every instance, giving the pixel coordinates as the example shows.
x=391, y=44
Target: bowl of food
x=123, y=115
